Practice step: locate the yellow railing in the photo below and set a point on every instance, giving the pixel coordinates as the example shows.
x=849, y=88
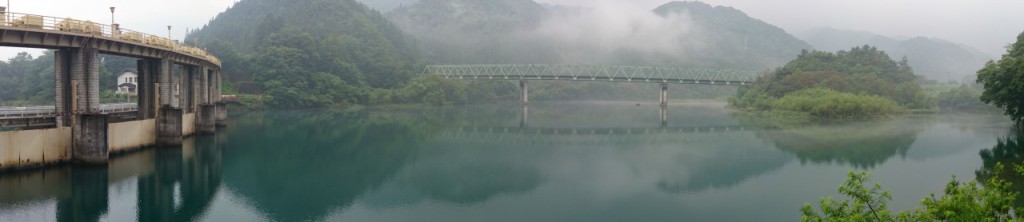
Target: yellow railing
x=31, y=21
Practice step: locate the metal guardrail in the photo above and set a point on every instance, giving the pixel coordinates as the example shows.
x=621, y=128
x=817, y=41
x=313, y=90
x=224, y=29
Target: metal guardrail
x=51, y=111
x=31, y=21
x=595, y=73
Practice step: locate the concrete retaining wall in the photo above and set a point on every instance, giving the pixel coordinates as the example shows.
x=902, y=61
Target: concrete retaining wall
x=188, y=124
x=27, y=148
x=126, y=136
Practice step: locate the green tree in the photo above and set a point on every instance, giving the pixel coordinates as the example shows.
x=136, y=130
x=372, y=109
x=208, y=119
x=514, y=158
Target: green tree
x=959, y=202
x=1004, y=81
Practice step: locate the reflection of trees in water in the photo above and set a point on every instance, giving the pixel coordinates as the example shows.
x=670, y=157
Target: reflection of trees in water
x=862, y=144
x=198, y=177
x=1009, y=151
x=717, y=164
x=459, y=174
x=297, y=165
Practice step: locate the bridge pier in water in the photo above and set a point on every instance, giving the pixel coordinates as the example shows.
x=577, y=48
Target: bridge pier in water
x=178, y=89
x=77, y=103
x=664, y=95
x=524, y=117
x=524, y=93
x=664, y=116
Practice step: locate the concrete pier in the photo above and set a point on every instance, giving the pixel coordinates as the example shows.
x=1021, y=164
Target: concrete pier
x=207, y=119
x=222, y=114
x=173, y=81
x=524, y=117
x=89, y=139
x=524, y=93
x=664, y=116
x=664, y=95
x=168, y=126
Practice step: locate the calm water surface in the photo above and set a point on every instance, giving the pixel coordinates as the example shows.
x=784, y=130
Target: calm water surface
x=603, y=161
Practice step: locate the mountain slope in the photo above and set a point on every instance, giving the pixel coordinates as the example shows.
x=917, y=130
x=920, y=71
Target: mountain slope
x=473, y=31
x=735, y=38
x=361, y=38
x=932, y=58
x=684, y=34
x=309, y=53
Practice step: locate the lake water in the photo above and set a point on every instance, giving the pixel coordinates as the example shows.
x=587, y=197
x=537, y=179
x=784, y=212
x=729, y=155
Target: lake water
x=576, y=161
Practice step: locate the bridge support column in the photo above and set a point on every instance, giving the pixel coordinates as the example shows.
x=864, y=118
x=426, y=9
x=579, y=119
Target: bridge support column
x=204, y=86
x=89, y=139
x=168, y=126
x=62, y=86
x=146, y=89
x=165, y=85
x=193, y=84
x=524, y=117
x=664, y=95
x=524, y=93
x=207, y=119
x=222, y=114
x=78, y=95
x=222, y=108
x=664, y=116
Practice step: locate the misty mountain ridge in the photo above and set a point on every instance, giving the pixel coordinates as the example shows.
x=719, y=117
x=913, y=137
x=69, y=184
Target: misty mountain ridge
x=932, y=58
x=330, y=38
x=386, y=5
x=690, y=34
x=473, y=31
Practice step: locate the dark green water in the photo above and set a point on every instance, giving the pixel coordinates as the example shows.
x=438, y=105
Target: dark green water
x=562, y=162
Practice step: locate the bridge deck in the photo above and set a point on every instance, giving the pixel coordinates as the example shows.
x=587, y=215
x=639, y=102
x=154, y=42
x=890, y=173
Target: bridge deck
x=52, y=32
x=595, y=73
x=43, y=116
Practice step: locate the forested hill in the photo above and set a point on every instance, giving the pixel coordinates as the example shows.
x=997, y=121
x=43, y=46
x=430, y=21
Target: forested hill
x=474, y=31
x=733, y=38
x=523, y=31
x=295, y=48
x=933, y=58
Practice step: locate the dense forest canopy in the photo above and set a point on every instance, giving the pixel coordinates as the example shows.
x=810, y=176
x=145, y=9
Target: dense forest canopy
x=864, y=75
x=309, y=53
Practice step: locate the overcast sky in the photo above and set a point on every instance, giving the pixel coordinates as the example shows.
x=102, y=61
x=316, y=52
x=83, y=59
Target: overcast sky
x=149, y=16
x=987, y=25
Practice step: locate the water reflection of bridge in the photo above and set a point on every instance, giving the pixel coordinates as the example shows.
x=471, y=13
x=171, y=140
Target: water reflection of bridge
x=168, y=185
x=598, y=130
x=587, y=135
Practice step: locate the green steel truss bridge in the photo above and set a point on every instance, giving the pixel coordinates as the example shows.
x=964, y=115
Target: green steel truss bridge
x=641, y=74
x=595, y=73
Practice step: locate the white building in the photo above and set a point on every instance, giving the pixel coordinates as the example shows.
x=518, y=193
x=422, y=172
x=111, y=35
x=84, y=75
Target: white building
x=127, y=82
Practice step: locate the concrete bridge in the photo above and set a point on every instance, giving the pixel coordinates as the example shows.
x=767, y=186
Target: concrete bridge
x=625, y=74
x=80, y=129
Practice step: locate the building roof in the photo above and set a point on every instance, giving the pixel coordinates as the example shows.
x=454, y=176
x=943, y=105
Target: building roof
x=126, y=71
